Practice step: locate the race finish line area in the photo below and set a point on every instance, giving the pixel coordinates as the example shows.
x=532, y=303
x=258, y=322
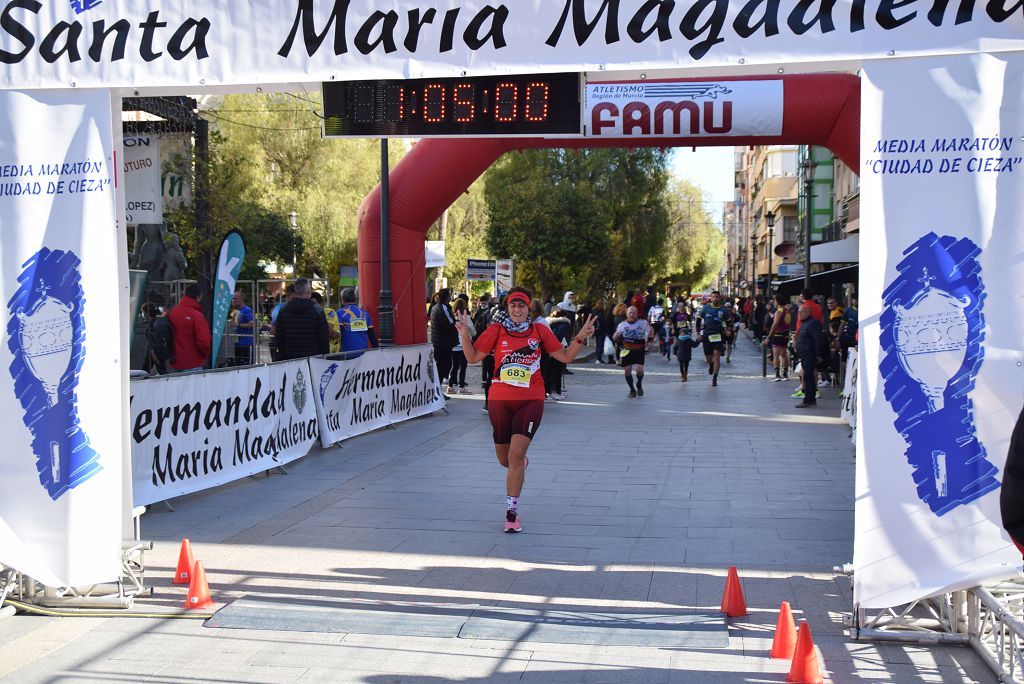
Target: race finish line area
x=332, y=515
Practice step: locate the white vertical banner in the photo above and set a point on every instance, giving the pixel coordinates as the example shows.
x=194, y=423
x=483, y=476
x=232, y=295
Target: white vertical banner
x=60, y=375
x=942, y=322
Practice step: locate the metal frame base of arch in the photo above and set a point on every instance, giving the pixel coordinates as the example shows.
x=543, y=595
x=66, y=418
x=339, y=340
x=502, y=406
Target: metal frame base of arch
x=990, y=619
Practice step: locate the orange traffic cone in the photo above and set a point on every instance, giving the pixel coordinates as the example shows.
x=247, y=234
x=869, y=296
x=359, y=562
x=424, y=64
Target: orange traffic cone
x=183, y=575
x=805, y=661
x=784, y=642
x=198, y=591
x=733, y=604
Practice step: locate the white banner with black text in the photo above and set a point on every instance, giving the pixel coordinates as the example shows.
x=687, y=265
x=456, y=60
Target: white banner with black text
x=377, y=389
x=195, y=431
x=941, y=377
x=60, y=376
x=90, y=43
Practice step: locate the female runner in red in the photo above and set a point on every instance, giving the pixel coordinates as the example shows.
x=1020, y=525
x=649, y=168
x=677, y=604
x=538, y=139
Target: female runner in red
x=516, y=401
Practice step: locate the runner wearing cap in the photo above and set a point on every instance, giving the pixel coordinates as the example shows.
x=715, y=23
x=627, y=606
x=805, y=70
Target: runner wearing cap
x=515, y=403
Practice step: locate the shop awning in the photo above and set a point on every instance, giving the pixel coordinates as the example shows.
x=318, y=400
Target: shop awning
x=837, y=252
x=821, y=283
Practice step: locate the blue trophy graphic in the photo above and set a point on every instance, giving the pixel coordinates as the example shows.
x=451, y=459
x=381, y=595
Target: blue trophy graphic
x=46, y=336
x=932, y=330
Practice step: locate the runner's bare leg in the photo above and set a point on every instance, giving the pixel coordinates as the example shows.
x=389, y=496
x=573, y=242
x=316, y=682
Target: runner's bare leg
x=516, y=465
x=502, y=451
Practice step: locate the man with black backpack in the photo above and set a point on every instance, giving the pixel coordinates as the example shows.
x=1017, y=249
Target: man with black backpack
x=161, y=339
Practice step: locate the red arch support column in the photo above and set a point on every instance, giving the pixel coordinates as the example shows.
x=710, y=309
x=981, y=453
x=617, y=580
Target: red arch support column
x=819, y=109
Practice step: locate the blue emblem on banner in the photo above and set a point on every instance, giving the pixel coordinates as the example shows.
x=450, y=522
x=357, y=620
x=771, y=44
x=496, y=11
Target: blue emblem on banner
x=932, y=329
x=46, y=335
x=325, y=380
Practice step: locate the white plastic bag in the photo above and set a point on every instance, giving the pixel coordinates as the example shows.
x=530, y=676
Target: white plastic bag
x=609, y=348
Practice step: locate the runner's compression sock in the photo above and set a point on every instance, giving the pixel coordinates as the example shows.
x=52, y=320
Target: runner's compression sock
x=640, y=380
x=512, y=503
x=629, y=381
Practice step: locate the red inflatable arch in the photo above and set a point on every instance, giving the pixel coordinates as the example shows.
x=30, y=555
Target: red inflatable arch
x=820, y=109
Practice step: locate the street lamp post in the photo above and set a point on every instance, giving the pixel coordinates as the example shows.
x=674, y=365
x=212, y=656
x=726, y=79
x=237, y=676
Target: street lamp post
x=769, y=219
x=293, y=222
x=807, y=170
x=753, y=262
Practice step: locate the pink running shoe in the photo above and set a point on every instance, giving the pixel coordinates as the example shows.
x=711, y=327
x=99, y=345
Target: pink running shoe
x=513, y=523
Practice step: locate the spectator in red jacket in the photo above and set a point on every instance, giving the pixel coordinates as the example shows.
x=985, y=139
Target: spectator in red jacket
x=191, y=332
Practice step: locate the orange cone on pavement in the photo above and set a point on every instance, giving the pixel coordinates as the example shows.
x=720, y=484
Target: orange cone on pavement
x=183, y=575
x=805, y=668
x=784, y=642
x=733, y=604
x=198, y=591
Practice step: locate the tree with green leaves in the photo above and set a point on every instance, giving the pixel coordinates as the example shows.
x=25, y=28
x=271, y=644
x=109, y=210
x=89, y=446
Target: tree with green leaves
x=291, y=168
x=694, y=245
x=580, y=219
x=542, y=213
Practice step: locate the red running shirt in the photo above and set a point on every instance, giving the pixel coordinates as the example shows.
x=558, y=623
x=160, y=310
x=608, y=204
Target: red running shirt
x=517, y=360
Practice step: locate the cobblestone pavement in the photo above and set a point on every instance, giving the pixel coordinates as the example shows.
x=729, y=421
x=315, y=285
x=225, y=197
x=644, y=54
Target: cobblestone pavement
x=629, y=504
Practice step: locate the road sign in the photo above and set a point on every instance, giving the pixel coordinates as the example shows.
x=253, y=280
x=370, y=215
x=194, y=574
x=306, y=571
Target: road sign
x=744, y=284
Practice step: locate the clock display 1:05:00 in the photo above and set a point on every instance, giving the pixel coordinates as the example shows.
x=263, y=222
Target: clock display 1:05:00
x=533, y=104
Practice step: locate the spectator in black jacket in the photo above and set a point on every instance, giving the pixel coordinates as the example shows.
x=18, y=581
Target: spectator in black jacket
x=160, y=338
x=443, y=335
x=810, y=347
x=301, y=328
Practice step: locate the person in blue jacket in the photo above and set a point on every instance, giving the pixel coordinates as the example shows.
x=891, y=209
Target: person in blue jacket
x=357, y=334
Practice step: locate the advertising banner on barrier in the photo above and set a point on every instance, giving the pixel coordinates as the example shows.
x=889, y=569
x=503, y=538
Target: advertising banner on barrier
x=942, y=321
x=376, y=390
x=60, y=389
x=208, y=44
x=656, y=108
x=191, y=432
x=848, y=411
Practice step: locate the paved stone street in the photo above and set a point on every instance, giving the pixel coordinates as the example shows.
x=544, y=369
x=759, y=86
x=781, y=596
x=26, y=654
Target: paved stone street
x=629, y=504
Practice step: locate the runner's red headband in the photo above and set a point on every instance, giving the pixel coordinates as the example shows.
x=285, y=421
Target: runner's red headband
x=519, y=297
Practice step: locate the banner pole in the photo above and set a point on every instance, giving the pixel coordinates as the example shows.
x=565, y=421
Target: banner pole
x=385, y=311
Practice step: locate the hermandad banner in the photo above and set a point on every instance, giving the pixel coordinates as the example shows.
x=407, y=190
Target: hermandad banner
x=60, y=394
x=195, y=431
x=941, y=323
x=85, y=44
x=377, y=389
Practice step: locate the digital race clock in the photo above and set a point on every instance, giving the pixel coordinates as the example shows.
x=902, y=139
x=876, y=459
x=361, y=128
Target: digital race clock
x=483, y=106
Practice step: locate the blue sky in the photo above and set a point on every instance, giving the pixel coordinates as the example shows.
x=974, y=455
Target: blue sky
x=709, y=167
